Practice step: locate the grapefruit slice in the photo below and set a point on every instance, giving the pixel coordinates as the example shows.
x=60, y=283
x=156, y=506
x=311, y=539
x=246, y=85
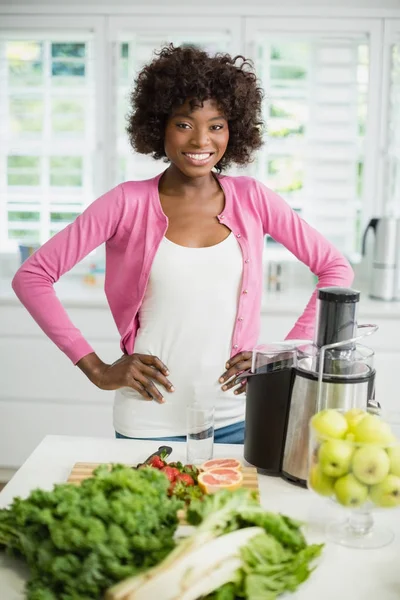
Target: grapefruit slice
x=213, y=480
x=221, y=463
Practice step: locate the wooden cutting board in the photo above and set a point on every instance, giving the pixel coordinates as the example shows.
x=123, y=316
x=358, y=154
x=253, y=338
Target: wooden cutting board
x=83, y=470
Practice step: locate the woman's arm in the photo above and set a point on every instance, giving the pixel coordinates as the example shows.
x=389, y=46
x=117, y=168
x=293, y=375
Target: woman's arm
x=310, y=247
x=33, y=282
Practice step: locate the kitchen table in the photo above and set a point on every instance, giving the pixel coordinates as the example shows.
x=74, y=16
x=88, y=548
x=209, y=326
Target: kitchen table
x=342, y=573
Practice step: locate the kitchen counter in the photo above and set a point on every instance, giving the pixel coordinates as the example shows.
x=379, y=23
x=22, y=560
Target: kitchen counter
x=342, y=573
x=74, y=293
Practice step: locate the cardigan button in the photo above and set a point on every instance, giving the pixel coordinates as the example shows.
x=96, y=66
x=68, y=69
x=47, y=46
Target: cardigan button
x=235, y=347
x=247, y=260
x=245, y=291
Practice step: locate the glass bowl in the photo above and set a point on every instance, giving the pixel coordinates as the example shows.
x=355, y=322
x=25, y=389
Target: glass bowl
x=357, y=468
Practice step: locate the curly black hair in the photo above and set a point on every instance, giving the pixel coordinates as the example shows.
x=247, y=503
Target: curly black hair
x=182, y=73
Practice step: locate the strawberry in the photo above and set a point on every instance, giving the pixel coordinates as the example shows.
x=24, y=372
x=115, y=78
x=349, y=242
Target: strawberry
x=186, y=478
x=171, y=472
x=157, y=463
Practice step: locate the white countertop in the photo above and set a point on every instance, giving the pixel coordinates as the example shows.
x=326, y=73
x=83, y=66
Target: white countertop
x=342, y=573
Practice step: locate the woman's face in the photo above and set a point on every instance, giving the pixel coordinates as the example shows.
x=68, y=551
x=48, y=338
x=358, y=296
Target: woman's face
x=196, y=138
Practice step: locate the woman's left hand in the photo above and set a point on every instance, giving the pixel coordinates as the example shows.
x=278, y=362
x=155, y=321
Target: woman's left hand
x=237, y=364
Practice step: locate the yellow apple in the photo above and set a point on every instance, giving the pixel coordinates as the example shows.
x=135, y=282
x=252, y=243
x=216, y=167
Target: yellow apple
x=330, y=423
x=373, y=430
x=370, y=464
x=394, y=457
x=349, y=491
x=387, y=492
x=334, y=457
x=320, y=483
x=353, y=417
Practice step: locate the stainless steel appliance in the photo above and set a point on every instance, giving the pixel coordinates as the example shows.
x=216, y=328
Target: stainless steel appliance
x=385, y=274
x=289, y=382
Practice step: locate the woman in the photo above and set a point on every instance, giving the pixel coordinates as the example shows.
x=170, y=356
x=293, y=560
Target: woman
x=183, y=252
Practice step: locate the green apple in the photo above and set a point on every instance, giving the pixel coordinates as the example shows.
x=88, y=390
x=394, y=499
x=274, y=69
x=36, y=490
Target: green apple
x=349, y=491
x=334, y=457
x=330, y=423
x=321, y=483
x=394, y=457
x=370, y=464
x=372, y=430
x=353, y=417
x=387, y=492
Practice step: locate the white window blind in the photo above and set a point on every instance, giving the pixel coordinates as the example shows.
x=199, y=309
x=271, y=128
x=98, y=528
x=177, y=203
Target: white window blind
x=47, y=131
x=392, y=178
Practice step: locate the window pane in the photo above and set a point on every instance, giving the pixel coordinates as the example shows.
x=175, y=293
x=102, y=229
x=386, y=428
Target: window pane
x=77, y=50
x=23, y=170
x=66, y=171
x=66, y=162
x=68, y=116
x=23, y=179
x=67, y=69
x=32, y=217
x=23, y=162
x=63, y=217
x=31, y=236
x=26, y=115
x=285, y=174
x=65, y=179
x=25, y=67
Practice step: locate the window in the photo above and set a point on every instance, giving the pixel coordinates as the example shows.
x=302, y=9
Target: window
x=331, y=111
x=47, y=134
x=316, y=115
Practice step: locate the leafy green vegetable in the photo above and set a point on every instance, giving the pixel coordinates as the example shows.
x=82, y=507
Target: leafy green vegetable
x=79, y=540
x=238, y=550
x=273, y=562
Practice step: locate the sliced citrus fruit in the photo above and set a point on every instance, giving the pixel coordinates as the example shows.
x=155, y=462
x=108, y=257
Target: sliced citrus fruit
x=214, y=480
x=221, y=463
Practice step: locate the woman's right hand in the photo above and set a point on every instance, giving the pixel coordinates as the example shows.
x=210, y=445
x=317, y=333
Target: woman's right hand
x=137, y=371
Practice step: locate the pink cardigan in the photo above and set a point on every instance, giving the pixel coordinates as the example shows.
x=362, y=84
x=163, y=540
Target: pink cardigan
x=130, y=220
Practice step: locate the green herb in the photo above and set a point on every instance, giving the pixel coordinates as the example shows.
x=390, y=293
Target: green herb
x=79, y=540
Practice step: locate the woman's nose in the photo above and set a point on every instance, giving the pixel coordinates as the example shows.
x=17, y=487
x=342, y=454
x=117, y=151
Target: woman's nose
x=200, y=137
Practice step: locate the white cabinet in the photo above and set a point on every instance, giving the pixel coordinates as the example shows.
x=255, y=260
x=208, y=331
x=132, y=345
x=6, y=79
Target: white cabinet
x=41, y=392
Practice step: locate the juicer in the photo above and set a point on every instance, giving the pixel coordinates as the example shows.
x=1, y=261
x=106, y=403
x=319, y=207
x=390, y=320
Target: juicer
x=290, y=381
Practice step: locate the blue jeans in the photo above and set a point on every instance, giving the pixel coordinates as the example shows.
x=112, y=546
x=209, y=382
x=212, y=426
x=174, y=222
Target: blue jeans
x=232, y=434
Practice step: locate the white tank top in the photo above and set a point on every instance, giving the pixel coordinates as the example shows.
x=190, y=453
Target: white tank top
x=186, y=319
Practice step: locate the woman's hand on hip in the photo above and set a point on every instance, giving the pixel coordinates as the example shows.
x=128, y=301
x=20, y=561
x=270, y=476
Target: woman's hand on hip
x=137, y=371
x=235, y=366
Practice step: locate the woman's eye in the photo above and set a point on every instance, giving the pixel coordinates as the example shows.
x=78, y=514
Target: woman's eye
x=182, y=125
x=216, y=127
